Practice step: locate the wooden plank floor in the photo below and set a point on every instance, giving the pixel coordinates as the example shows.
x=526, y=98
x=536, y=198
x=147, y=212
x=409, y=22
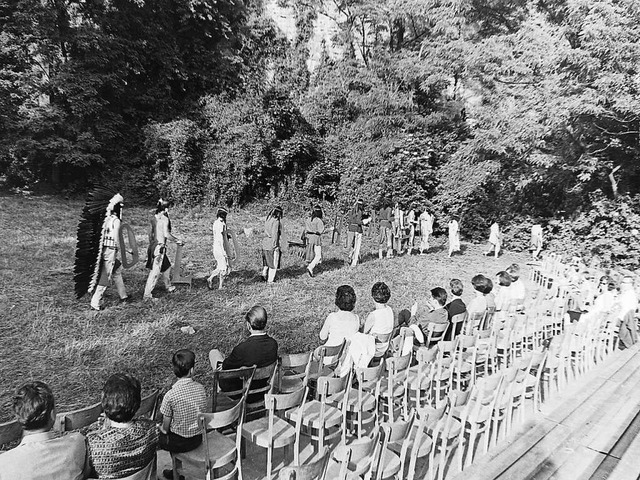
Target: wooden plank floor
x=590, y=432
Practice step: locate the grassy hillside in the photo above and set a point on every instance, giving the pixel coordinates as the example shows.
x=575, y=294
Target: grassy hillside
x=49, y=335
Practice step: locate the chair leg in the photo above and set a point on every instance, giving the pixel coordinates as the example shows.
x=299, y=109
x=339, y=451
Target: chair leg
x=269, y=461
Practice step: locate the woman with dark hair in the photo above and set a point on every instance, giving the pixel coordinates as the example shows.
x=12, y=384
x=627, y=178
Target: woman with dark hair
x=482, y=286
x=314, y=227
x=272, y=244
x=342, y=324
x=221, y=249
x=125, y=446
x=157, y=261
x=504, y=298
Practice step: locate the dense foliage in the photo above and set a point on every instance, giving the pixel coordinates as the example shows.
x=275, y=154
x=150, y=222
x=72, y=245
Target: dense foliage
x=489, y=109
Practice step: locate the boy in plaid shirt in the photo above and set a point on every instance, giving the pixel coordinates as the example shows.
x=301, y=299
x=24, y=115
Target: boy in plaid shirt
x=180, y=408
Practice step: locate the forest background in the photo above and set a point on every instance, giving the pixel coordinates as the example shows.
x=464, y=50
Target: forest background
x=510, y=110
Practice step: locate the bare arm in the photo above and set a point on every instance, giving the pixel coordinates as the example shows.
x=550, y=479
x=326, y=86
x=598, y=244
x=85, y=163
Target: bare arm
x=166, y=423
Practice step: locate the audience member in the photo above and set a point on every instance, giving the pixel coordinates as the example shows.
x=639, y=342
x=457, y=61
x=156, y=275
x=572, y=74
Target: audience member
x=380, y=322
x=125, y=446
x=42, y=454
x=479, y=303
x=180, y=407
x=342, y=324
x=503, y=298
x=437, y=313
x=518, y=289
x=455, y=307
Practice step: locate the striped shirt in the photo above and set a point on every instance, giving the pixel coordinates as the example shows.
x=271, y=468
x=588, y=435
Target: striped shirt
x=183, y=403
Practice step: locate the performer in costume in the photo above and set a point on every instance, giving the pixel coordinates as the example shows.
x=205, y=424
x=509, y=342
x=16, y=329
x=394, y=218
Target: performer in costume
x=386, y=232
x=354, y=233
x=494, y=240
x=96, y=261
x=313, y=228
x=398, y=228
x=272, y=244
x=412, y=222
x=536, y=240
x=426, y=229
x=157, y=261
x=454, y=235
x=221, y=249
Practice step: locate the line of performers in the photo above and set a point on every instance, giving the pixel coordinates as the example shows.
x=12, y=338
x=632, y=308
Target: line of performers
x=101, y=234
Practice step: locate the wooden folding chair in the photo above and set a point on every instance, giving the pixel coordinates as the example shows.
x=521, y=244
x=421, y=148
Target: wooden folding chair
x=293, y=370
x=263, y=378
x=149, y=472
x=149, y=406
x=316, y=469
x=10, y=432
x=435, y=333
x=77, y=419
x=395, y=389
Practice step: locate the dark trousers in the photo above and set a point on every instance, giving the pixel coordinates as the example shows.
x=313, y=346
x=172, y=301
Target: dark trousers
x=172, y=442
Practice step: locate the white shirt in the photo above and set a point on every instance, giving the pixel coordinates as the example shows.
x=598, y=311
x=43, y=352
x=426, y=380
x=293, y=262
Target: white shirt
x=380, y=321
x=339, y=326
x=518, y=291
x=218, y=236
x=628, y=301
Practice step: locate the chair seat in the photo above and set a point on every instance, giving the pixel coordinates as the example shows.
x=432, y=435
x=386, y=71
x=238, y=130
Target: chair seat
x=368, y=401
x=222, y=450
x=390, y=460
x=257, y=431
x=464, y=368
x=333, y=471
x=290, y=384
x=398, y=390
x=423, y=450
x=454, y=431
x=310, y=415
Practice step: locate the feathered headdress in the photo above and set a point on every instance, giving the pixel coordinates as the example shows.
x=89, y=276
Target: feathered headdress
x=91, y=230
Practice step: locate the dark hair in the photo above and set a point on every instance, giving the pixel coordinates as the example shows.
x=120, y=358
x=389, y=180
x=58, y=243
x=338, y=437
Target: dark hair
x=257, y=317
x=183, y=361
x=121, y=397
x=317, y=212
x=33, y=404
x=440, y=294
x=276, y=213
x=504, y=279
x=482, y=284
x=609, y=282
x=222, y=213
x=162, y=205
x=456, y=286
x=403, y=317
x=514, y=271
x=345, y=298
x=117, y=210
x=380, y=292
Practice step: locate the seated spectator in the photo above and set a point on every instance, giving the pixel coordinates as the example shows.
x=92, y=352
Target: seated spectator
x=489, y=296
x=627, y=305
x=380, y=322
x=259, y=350
x=125, y=446
x=503, y=298
x=180, y=407
x=455, y=307
x=518, y=289
x=342, y=324
x=603, y=303
x=481, y=286
x=437, y=313
x=42, y=454
x=417, y=338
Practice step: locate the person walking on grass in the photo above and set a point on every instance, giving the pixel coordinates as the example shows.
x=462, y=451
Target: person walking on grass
x=386, y=230
x=494, y=240
x=314, y=226
x=272, y=244
x=426, y=229
x=157, y=261
x=454, y=235
x=354, y=233
x=412, y=222
x=221, y=249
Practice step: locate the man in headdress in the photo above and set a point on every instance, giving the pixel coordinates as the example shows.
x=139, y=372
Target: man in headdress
x=96, y=262
x=221, y=248
x=157, y=261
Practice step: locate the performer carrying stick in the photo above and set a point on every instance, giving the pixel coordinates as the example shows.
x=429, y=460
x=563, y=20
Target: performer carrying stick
x=314, y=226
x=272, y=244
x=221, y=249
x=157, y=261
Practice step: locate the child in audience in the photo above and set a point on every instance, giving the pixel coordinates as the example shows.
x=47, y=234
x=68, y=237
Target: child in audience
x=180, y=408
x=518, y=290
x=342, y=324
x=380, y=322
x=437, y=313
x=125, y=446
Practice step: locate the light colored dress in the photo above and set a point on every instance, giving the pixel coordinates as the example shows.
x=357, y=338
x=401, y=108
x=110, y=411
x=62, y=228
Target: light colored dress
x=454, y=236
x=426, y=228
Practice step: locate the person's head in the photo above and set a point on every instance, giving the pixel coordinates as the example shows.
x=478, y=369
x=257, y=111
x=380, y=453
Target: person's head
x=380, y=292
x=162, y=206
x=404, y=316
x=439, y=294
x=115, y=205
x=626, y=284
x=276, y=213
x=359, y=205
x=503, y=279
x=256, y=318
x=456, y=286
x=183, y=362
x=222, y=214
x=514, y=271
x=345, y=298
x=34, y=406
x=121, y=397
x=606, y=283
x=317, y=212
x=482, y=284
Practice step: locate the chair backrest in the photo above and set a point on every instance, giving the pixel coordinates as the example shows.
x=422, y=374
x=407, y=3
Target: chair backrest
x=435, y=332
x=328, y=355
x=426, y=355
x=474, y=321
x=293, y=367
x=77, y=419
x=222, y=419
x=487, y=320
x=332, y=385
x=314, y=470
x=147, y=473
x=278, y=402
x=149, y=406
x=10, y=432
x=460, y=317
x=263, y=380
x=230, y=377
